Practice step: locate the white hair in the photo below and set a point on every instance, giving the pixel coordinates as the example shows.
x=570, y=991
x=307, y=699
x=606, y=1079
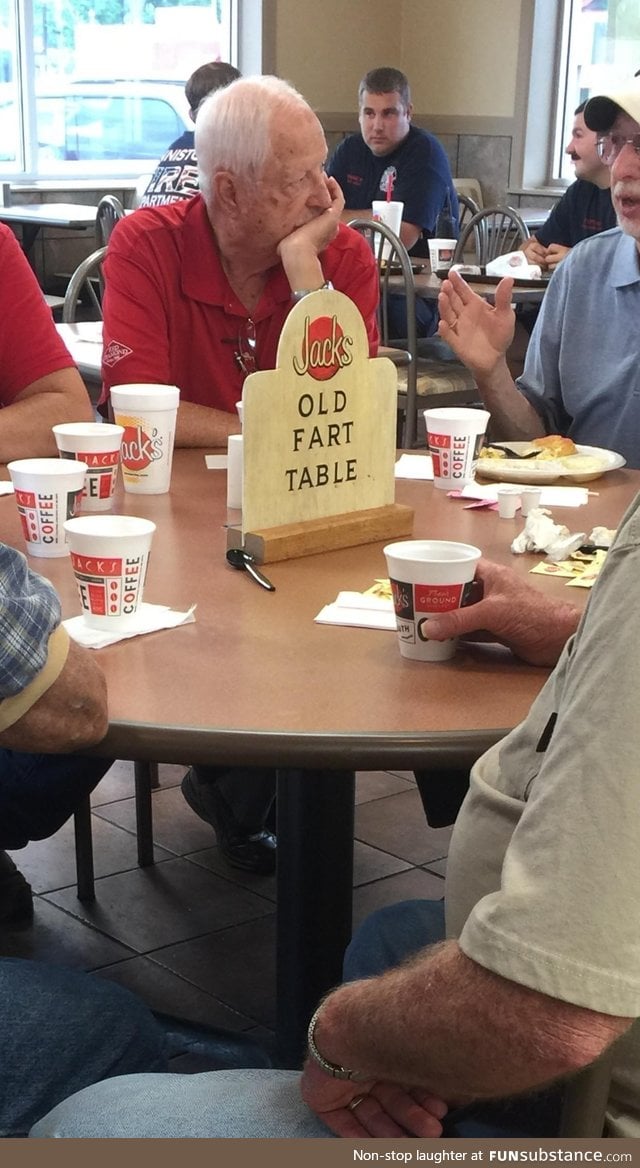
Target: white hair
x=233, y=130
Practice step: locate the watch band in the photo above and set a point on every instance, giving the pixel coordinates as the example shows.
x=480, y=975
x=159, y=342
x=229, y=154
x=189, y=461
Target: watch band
x=333, y=1069
x=302, y=292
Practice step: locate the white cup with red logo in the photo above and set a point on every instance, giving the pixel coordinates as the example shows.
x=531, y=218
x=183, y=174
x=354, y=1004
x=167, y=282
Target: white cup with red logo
x=389, y=212
x=454, y=438
x=47, y=491
x=97, y=444
x=109, y=556
x=428, y=577
x=148, y=415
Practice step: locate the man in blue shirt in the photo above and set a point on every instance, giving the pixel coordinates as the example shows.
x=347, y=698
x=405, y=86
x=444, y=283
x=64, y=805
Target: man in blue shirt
x=581, y=376
x=585, y=209
x=176, y=175
x=389, y=151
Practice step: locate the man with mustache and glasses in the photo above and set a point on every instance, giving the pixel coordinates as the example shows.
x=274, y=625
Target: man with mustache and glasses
x=582, y=374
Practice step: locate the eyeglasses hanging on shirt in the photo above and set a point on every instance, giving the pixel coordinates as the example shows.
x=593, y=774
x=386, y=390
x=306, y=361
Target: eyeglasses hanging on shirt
x=245, y=353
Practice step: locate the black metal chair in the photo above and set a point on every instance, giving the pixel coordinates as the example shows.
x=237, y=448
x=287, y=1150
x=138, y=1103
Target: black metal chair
x=393, y=260
x=491, y=232
x=87, y=282
x=145, y=779
x=467, y=208
x=110, y=210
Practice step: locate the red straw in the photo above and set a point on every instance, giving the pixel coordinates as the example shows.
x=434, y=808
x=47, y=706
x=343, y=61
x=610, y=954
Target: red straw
x=389, y=186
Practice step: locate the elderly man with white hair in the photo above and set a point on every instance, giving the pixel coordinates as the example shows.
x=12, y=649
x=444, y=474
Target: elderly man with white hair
x=197, y=292
x=196, y=296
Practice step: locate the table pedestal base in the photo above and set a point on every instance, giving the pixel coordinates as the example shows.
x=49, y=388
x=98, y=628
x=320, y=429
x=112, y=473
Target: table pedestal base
x=315, y=882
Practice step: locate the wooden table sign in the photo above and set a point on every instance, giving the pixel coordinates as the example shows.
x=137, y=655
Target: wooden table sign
x=319, y=440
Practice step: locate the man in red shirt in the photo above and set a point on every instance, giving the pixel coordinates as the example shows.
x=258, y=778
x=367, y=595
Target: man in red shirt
x=197, y=292
x=196, y=296
x=39, y=384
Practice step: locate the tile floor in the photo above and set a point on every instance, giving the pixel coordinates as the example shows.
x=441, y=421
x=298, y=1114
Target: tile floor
x=179, y=933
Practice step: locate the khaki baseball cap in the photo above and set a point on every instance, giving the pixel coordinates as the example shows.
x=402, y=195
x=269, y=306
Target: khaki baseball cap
x=602, y=110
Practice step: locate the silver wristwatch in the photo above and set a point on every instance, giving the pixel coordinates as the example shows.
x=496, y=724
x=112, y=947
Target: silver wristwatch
x=333, y=1069
x=302, y=292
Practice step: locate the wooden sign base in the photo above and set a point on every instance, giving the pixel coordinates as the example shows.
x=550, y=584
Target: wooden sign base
x=271, y=544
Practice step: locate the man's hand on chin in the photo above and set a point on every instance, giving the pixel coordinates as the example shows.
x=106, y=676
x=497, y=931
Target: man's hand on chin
x=299, y=251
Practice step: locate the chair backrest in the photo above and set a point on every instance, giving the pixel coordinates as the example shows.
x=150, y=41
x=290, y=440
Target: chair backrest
x=470, y=187
x=468, y=208
x=393, y=260
x=493, y=231
x=110, y=209
x=87, y=278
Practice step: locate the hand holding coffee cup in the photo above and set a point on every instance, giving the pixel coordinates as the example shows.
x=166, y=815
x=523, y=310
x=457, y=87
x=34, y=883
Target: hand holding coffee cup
x=428, y=577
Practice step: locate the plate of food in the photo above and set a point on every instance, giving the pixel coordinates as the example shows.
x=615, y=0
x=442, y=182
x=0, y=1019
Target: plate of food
x=545, y=460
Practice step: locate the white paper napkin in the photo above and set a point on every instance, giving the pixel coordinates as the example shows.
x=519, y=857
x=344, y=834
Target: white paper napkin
x=549, y=496
x=216, y=461
x=6, y=488
x=414, y=466
x=353, y=608
x=149, y=618
x=513, y=263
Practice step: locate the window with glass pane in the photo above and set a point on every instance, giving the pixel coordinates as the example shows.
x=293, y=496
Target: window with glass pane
x=10, y=141
x=102, y=84
x=601, y=49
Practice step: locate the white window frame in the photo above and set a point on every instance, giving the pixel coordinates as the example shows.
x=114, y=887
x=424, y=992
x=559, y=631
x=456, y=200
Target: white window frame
x=544, y=112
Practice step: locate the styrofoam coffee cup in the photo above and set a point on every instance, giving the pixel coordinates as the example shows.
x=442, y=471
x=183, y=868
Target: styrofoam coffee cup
x=47, y=491
x=109, y=555
x=454, y=439
x=97, y=444
x=148, y=415
x=441, y=254
x=428, y=577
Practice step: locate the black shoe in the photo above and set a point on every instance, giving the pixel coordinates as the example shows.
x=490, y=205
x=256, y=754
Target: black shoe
x=253, y=852
x=16, y=901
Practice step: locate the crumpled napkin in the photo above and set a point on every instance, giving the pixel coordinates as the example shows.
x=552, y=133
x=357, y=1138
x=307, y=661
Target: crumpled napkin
x=359, y=610
x=513, y=263
x=149, y=619
x=541, y=534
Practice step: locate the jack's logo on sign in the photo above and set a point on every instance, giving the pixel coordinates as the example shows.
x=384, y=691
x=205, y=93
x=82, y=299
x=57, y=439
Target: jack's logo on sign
x=325, y=348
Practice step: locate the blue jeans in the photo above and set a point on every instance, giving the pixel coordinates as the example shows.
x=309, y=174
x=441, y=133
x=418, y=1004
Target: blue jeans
x=38, y=792
x=61, y=1030
x=267, y=1103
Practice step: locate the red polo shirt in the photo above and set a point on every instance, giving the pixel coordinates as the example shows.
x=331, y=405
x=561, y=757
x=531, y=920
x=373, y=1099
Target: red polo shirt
x=30, y=347
x=171, y=316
